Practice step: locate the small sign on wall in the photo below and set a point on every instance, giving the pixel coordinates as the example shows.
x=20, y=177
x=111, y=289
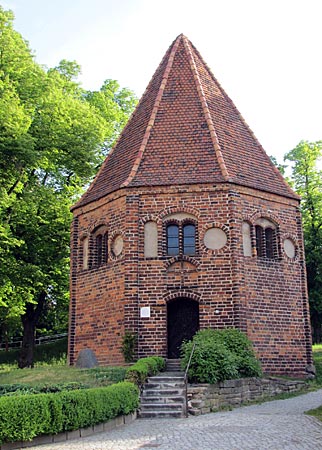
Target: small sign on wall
x=145, y=311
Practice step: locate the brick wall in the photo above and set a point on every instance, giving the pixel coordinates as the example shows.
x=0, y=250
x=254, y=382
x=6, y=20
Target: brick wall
x=265, y=298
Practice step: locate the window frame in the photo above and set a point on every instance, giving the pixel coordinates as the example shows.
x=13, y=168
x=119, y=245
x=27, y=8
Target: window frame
x=266, y=241
x=181, y=236
x=99, y=247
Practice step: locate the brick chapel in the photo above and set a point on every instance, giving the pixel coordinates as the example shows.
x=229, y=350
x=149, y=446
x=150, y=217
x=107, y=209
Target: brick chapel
x=188, y=225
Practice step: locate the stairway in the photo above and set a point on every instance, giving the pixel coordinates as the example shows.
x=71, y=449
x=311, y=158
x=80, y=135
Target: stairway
x=164, y=395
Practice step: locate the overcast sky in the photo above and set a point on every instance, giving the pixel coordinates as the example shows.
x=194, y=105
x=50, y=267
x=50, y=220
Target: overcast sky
x=267, y=54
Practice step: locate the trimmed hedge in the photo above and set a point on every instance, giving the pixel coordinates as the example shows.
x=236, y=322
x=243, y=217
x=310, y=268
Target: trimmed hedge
x=28, y=416
x=143, y=368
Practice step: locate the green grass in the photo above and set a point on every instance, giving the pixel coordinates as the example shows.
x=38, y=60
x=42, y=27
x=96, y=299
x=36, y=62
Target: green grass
x=59, y=374
x=317, y=356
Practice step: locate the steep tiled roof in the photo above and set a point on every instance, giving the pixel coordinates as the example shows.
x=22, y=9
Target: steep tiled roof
x=185, y=129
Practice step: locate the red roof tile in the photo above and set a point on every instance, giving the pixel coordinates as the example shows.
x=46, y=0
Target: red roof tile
x=185, y=129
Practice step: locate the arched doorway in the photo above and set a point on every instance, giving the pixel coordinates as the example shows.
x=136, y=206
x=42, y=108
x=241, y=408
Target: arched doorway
x=183, y=323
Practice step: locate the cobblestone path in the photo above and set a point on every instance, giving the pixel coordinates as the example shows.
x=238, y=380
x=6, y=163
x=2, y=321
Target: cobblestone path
x=275, y=425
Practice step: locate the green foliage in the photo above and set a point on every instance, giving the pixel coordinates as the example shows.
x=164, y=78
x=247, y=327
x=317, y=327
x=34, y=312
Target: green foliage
x=53, y=137
x=47, y=377
x=23, y=389
x=317, y=359
x=108, y=375
x=306, y=160
x=143, y=368
x=220, y=355
x=28, y=416
x=45, y=353
x=128, y=346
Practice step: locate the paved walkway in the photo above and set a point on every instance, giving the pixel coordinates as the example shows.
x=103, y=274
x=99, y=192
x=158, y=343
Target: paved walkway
x=275, y=425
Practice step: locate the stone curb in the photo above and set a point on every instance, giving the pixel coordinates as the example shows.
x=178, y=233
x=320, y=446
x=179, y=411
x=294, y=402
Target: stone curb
x=70, y=435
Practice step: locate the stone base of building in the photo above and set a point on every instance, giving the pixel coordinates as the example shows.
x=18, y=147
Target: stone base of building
x=205, y=398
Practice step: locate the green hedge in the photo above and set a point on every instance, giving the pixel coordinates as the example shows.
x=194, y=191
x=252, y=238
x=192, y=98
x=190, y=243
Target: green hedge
x=143, y=368
x=28, y=416
x=220, y=355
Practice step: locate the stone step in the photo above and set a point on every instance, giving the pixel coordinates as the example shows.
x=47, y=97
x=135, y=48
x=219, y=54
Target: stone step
x=163, y=392
x=163, y=386
x=164, y=395
x=161, y=414
x=162, y=399
x=161, y=406
x=166, y=376
x=173, y=365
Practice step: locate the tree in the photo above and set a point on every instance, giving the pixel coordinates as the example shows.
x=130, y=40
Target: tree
x=307, y=178
x=53, y=136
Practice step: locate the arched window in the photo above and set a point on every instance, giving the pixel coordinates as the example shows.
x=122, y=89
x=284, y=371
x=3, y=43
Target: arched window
x=259, y=241
x=270, y=243
x=266, y=240
x=172, y=240
x=99, y=250
x=189, y=239
x=181, y=239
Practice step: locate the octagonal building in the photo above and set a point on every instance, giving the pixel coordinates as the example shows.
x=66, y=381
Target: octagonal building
x=188, y=225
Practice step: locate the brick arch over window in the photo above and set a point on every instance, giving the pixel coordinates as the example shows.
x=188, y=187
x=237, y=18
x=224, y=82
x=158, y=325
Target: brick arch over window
x=171, y=210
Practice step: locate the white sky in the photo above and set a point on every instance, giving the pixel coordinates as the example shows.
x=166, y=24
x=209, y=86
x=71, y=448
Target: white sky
x=267, y=54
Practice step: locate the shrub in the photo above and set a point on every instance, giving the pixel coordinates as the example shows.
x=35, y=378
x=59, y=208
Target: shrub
x=128, y=346
x=143, y=368
x=28, y=416
x=220, y=355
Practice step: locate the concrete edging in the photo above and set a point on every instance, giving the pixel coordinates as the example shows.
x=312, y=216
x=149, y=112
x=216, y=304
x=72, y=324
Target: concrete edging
x=75, y=434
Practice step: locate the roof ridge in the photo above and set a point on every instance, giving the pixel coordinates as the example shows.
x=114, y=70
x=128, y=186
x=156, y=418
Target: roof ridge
x=156, y=105
x=206, y=111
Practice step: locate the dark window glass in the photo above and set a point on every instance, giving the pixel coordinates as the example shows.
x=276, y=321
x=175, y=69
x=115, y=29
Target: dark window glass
x=104, y=248
x=99, y=248
x=259, y=241
x=172, y=240
x=189, y=239
x=269, y=242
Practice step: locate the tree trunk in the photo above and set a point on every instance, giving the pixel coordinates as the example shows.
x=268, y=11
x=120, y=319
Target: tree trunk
x=26, y=356
x=29, y=321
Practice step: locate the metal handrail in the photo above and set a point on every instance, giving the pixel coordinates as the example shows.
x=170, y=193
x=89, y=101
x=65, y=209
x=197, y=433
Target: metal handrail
x=185, y=379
